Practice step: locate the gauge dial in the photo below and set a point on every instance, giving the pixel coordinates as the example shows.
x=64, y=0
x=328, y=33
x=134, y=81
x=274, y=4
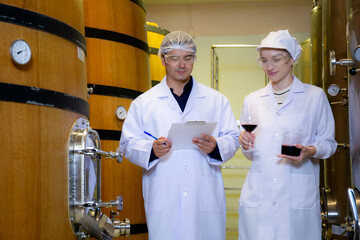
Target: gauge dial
x=20, y=52
x=357, y=53
x=333, y=90
x=121, y=112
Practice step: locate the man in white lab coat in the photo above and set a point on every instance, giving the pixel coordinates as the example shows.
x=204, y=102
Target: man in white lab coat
x=280, y=198
x=183, y=189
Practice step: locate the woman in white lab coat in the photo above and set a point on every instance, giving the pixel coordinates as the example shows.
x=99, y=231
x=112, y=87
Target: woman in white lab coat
x=183, y=189
x=280, y=198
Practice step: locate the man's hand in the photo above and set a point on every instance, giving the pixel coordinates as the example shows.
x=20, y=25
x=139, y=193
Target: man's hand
x=206, y=143
x=161, y=147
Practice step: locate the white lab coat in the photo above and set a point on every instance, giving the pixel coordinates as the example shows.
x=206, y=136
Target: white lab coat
x=183, y=191
x=280, y=199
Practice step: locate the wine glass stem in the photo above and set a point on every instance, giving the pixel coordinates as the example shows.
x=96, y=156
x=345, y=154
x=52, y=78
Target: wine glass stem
x=251, y=145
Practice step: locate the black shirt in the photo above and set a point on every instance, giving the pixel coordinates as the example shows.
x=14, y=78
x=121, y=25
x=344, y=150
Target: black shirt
x=182, y=99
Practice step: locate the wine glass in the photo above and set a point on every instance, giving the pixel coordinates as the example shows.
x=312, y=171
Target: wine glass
x=249, y=119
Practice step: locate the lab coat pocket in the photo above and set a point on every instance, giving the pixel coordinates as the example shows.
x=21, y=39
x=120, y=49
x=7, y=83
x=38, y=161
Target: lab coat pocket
x=208, y=195
x=251, y=193
x=155, y=194
x=303, y=191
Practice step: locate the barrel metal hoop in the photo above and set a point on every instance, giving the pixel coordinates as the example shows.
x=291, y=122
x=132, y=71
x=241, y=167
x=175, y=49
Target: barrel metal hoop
x=138, y=228
x=43, y=97
x=153, y=51
x=116, y=37
x=154, y=82
x=155, y=29
x=41, y=22
x=114, y=91
x=140, y=3
x=109, y=134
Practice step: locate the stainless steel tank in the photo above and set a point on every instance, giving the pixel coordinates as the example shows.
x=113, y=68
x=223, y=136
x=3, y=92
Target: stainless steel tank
x=353, y=39
x=316, y=45
x=336, y=177
x=301, y=68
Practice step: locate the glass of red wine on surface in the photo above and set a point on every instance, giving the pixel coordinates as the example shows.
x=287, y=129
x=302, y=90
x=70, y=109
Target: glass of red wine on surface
x=249, y=121
x=290, y=138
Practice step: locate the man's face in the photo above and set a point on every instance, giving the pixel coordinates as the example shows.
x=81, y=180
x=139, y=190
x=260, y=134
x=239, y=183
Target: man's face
x=178, y=64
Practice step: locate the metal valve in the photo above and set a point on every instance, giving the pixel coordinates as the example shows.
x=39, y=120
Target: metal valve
x=85, y=204
x=91, y=151
x=344, y=102
x=354, y=71
x=122, y=228
x=114, y=227
x=118, y=203
x=342, y=62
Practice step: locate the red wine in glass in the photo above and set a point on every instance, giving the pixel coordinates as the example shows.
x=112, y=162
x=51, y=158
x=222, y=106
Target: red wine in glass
x=290, y=150
x=249, y=127
x=249, y=119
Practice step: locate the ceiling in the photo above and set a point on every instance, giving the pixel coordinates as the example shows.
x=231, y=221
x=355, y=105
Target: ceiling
x=188, y=2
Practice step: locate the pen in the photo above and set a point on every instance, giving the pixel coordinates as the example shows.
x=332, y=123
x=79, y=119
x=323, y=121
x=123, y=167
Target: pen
x=149, y=134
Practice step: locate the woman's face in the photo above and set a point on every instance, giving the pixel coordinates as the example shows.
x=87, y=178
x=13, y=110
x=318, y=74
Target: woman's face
x=277, y=65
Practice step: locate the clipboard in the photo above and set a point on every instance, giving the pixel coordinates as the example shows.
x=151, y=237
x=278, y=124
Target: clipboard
x=182, y=133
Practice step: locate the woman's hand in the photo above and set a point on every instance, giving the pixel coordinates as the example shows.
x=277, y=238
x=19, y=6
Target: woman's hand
x=306, y=151
x=246, y=139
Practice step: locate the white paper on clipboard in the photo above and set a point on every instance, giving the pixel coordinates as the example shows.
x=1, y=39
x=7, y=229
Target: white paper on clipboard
x=182, y=133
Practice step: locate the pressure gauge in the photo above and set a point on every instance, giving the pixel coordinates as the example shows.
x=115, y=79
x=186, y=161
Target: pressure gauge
x=357, y=53
x=20, y=52
x=333, y=90
x=121, y=112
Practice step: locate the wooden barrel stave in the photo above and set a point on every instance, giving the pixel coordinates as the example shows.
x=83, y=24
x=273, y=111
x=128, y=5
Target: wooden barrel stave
x=117, y=64
x=34, y=138
x=35, y=177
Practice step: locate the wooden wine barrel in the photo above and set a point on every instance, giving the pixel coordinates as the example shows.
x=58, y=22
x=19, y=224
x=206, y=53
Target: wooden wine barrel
x=155, y=35
x=117, y=71
x=39, y=102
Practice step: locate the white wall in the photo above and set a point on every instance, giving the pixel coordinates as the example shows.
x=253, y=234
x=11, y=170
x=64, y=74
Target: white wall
x=243, y=18
x=233, y=23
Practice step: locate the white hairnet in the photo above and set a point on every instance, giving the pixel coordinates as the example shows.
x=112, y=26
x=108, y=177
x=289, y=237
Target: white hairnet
x=282, y=40
x=177, y=40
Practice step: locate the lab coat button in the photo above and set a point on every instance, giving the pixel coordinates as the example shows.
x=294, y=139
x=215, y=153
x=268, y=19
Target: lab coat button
x=277, y=134
x=275, y=180
x=185, y=194
x=186, y=168
x=274, y=203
